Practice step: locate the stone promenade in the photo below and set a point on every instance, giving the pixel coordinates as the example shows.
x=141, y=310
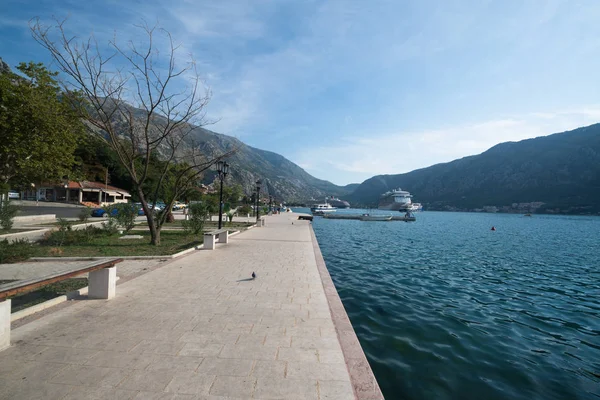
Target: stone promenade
x=195, y=328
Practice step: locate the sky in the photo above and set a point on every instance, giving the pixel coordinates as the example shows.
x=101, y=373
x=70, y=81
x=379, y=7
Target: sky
x=350, y=89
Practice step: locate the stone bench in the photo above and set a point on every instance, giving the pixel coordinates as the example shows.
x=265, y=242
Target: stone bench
x=210, y=238
x=101, y=285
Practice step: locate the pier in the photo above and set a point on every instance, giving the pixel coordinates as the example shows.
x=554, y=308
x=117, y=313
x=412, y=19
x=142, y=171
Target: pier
x=359, y=216
x=200, y=326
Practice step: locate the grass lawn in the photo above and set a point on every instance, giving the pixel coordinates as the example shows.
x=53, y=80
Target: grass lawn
x=171, y=243
x=45, y=293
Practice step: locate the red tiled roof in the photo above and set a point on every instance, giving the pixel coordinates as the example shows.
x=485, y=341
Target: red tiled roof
x=95, y=185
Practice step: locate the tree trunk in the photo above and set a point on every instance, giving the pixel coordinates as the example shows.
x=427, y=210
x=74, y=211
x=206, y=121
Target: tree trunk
x=150, y=219
x=154, y=233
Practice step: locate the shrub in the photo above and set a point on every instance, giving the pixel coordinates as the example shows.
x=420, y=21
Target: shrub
x=7, y=214
x=244, y=210
x=110, y=227
x=84, y=214
x=230, y=216
x=124, y=216
x=67, y=236
x=16, y=251
x=197, y=215
x=63, y=225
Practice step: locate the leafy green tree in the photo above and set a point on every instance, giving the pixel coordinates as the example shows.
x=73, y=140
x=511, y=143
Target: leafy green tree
x=39, y=129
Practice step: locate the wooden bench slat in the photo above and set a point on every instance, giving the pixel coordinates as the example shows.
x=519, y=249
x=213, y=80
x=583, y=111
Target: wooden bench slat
x=26, y=285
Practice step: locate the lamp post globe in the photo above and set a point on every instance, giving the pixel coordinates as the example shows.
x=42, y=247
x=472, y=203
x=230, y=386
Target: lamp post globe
x=223, y=170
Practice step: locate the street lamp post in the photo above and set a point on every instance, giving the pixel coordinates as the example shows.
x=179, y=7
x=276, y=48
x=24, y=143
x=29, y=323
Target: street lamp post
x=223, y=170
x=258, y=183
x=271, y=204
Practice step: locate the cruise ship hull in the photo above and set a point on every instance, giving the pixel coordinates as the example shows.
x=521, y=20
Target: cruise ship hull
x=395, y=207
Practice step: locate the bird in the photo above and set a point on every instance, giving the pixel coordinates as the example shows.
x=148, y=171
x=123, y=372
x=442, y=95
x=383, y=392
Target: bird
x=253, y=275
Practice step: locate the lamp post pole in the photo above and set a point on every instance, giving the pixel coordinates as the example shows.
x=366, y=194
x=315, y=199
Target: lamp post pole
x=223, y=170
x=258, y=182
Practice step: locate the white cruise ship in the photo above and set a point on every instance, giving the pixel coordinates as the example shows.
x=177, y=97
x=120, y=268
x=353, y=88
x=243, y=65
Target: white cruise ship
x=396, y=200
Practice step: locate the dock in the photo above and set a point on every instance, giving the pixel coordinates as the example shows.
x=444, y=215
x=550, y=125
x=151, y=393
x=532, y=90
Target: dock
x=200, y=326
x=358, y=217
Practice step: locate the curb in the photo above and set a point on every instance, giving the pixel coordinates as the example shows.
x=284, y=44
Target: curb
x=363, y=380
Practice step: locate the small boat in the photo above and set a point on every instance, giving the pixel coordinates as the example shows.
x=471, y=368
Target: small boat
x=368, y=217
x=527, y=215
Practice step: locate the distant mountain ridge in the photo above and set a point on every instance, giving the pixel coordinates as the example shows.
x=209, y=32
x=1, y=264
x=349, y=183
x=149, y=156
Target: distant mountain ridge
x=281, y=178
x=562, y=171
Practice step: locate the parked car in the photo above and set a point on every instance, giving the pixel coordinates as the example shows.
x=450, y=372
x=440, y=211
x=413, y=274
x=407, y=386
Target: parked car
x=13, y=195
x=100, y=212
x=158, y=206
x=179, y=206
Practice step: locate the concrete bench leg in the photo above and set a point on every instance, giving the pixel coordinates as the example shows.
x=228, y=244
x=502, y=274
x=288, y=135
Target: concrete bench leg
x=4, y=324
x=209, y=242
x=224, y=237
x=102, y=283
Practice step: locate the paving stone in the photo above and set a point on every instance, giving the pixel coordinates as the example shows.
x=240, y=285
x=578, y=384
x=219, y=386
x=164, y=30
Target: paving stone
x=335, y=390
x=269, y=369
x=289, y=389
x=233, y=386
x=147, y=380
x=225, y=366
x=174, y=363
x=158, y=347
x=249, y=352
x=315, y=370
x=87, y=375
x=114, y=359
x=298, y=354
x=33, y=390
x=165, y=396
x=102, y=393
x=200, y=349
x=191, y=383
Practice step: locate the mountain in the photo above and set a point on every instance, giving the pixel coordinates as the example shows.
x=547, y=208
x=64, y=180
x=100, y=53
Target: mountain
x=562, y=171
x=281, y=177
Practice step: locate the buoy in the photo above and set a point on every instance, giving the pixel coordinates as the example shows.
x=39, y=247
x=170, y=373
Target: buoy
x=493, y=228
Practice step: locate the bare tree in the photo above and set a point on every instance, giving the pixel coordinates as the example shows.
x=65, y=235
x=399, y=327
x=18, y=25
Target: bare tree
x=109, y=88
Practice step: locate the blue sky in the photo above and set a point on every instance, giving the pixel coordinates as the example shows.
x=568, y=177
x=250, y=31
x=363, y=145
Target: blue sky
x=350, y=89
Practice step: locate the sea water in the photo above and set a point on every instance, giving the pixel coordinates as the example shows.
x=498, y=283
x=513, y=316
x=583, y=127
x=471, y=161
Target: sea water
x=446, y=308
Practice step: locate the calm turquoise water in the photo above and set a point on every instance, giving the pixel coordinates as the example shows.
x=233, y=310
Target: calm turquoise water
x=447, y=309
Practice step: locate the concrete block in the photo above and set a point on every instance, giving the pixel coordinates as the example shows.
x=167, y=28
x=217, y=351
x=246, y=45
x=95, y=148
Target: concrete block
x=131, y=237
x=4, y=324
x=102, y=283
x=209, y=242
x=224, y=237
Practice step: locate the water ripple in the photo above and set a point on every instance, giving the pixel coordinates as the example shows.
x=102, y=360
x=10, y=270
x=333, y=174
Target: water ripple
x=446, y=309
